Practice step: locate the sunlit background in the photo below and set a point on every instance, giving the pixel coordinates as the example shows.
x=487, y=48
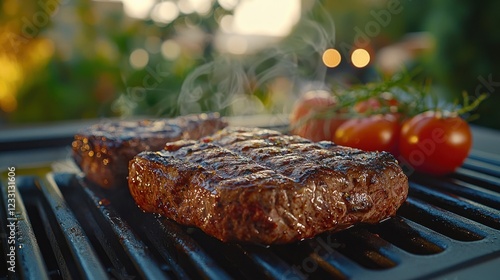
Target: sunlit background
x=70, y=60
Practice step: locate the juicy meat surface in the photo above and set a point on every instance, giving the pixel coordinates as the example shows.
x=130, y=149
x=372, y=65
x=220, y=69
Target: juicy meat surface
x=261, y=186
x=102, y=151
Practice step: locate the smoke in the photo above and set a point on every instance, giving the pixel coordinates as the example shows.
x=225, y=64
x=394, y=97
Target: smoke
x=214, y=85
x=240, y=85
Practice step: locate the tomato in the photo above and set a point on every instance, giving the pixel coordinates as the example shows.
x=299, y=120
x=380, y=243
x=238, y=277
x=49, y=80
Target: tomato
x=374, y=133
x=310, y=116
x=436, y=144
x=374, y=104
x=371, y=104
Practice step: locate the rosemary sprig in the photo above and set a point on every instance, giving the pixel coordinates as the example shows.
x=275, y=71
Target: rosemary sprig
x=412, y=98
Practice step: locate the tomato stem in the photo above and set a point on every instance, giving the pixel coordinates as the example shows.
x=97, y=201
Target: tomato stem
x=469, y=107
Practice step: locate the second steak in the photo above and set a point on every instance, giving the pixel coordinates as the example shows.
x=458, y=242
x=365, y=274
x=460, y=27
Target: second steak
x=102, y=151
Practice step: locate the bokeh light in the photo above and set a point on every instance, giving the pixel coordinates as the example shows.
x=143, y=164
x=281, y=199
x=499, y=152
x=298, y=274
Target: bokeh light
x=228, y=4
x=201, y=7
x=170, y=49
x=331, y=58
x=139, y=58
x=226, y=23
x=138, y=9
x=165, y=12
x=360, y=58
x=266, y=18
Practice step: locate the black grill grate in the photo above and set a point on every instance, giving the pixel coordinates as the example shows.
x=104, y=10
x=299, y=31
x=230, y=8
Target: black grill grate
x=71, y=229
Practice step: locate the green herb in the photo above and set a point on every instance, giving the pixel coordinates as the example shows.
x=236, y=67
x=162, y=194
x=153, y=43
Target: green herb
x=411, y=98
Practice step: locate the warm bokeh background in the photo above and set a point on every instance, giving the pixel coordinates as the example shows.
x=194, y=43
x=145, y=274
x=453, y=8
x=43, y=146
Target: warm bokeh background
x=66, y=60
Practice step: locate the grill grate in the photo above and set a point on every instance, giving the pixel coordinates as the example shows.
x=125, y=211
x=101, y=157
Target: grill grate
x=69, y=228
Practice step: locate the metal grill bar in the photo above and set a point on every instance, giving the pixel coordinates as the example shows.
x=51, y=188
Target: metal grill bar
x=447, y=224
x=441, y=241
x=31, y=252
x=485, y=157
x=164, y=249
x=365, y=252
x=444, y=222
x=265, y=260
x=482, y=166
x=458, y=205
x=177, y=247
x=331, y=260
x=477, y=178
x=373, y=241
x=79, y=244
x=409, y=238
x=64, y=264
x=198, y=258
x=464, y=189
x=134, y=247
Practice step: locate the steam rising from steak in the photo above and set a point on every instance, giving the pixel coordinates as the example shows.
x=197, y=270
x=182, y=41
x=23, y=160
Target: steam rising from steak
x=261, y=186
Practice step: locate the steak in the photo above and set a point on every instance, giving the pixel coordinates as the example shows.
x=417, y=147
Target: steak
x=102, y=151
x=261, y=186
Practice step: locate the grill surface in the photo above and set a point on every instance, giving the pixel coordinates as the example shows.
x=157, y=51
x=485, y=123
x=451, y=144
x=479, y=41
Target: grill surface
x=449, y=228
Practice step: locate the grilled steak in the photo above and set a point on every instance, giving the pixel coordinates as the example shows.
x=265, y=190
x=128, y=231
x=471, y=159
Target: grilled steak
x=103, y=150
x=261, y=186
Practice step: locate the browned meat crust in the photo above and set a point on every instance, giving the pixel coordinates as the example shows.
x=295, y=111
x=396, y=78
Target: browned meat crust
x=260, y=186
x=103, y=151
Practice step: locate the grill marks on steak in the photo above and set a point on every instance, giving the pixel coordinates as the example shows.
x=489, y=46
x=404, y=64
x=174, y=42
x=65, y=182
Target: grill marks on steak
x=103, y=151
x=306, y=162
x=261, y=186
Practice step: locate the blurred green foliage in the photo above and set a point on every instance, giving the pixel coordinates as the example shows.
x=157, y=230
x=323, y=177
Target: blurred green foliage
x=63, y=60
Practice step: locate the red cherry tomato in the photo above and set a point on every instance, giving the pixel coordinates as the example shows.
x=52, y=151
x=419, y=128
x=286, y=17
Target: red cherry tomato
x=374, y=133
x=433, y=143
x=311, y=116
x=374, y=104
x=371, y=104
